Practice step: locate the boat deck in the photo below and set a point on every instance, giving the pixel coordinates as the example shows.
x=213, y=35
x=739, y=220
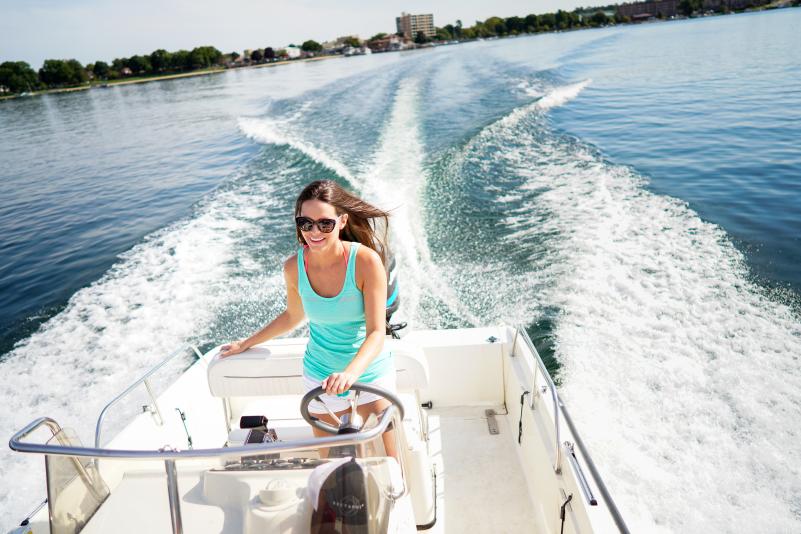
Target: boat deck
x=480, y=483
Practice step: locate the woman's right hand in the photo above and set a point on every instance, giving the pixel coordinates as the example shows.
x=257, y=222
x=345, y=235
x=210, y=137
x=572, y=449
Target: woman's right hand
x=234, y=347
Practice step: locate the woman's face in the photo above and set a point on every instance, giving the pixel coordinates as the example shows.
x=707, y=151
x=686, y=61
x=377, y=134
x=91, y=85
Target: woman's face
x=317, y=210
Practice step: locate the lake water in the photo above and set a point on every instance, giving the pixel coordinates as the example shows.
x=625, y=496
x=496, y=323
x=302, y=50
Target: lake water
x=629, y=194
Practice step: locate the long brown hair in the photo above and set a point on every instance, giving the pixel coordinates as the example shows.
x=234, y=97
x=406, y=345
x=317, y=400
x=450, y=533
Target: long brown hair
x=366, y=224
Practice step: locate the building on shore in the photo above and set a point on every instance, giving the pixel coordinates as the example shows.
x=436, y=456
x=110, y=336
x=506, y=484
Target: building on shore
x=390, y=43
x=670, y=8
x=732, y=5
x=646, y=10
x=410, y=25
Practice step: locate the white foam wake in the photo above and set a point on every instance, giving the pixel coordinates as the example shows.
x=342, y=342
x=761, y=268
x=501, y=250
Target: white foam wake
x=164, y=292
x=561, y=95
x=394, y=181
x=279, y=132
x=553, y=97
x=683, y=377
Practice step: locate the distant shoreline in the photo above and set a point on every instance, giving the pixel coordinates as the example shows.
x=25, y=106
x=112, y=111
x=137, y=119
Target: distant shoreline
x=776, y=4
x=163, y=77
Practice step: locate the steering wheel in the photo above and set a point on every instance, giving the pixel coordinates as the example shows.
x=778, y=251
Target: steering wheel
x=357, y=388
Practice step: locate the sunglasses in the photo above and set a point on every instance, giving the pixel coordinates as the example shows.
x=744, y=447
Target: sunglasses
x=326, y=226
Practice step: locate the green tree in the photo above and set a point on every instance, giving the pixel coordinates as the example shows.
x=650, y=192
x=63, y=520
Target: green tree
x=179, y=60
x=59, y=72
x=442, y=34
x=203, y=57
x=561, y=20
x=269, y=53
x=18, y=76
x=101, y=70
x=77, y=72
x=139, y=64
x=420, y=38
x=458, y=31
x=547, y=21
x=688, y=7
x=353, y=41
x=234, y=56
x=515, y=25
x=377, y=36
x=311, y=46
x=532, y=23
x=160, y=60
x=599, y=18
x=495, y=26
x=257, y=55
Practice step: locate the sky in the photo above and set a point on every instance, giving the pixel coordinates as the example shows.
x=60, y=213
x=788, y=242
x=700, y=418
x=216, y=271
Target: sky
x=90, y=30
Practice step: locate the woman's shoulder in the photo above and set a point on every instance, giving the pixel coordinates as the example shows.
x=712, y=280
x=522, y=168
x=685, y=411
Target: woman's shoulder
x=367, y=262
x=291, y=266
x=365, y=255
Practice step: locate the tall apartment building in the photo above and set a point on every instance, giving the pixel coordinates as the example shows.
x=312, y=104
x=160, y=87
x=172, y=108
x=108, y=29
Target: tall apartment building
x=409, y=25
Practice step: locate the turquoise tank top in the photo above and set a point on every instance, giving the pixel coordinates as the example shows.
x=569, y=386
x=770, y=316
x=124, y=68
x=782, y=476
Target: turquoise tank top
x=337, y=327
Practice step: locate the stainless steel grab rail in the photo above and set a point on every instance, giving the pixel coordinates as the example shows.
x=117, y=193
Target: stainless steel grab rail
x=390, y=416
x=144, y=378
x=521, y=332
x=16, y=443
x=559, y=407
x=617, y=517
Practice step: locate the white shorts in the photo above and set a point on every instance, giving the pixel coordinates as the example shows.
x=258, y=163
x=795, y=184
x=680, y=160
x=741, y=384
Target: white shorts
x=339, y=404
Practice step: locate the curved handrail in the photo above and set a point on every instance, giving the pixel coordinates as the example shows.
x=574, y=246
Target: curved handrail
x=169, y=456
x=143, y=378
x=551, y=386
x=596, y=476
x=559, y=406
x=16, y=443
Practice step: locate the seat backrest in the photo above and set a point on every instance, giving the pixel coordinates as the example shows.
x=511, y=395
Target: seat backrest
x=278, y=370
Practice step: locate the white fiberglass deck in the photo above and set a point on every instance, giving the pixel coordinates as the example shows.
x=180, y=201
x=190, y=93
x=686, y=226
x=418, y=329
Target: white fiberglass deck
x=485, y=482
x=480, y=486
x=480, y=483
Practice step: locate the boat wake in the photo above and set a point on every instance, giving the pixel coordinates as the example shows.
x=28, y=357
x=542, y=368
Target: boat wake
x=681, y=372
x=278, y=132
x=165, y=291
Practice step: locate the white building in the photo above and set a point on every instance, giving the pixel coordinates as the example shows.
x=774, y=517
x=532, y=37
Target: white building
x=292, y=51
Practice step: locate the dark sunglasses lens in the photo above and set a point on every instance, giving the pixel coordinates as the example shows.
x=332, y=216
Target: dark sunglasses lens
x=326, y=225
x=304, y=224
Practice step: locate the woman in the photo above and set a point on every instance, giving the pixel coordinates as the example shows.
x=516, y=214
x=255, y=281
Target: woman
x=338, y=280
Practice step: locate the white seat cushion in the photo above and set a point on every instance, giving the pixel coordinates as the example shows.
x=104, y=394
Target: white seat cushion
x=277, y=369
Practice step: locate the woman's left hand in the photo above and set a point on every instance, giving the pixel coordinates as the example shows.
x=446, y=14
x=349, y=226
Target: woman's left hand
x=338, y=383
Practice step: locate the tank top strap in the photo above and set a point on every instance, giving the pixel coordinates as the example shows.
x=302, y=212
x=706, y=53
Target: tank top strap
x=350, y=274
x=303, y=280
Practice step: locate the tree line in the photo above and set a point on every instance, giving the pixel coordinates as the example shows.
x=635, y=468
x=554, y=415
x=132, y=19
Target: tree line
x=533, y=23
x=18, y=76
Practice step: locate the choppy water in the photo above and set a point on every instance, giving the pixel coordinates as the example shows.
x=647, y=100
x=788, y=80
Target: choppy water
x=632, y=200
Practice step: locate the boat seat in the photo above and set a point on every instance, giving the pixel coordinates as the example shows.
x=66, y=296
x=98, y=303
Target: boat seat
x=268, y=380
x=267, y=370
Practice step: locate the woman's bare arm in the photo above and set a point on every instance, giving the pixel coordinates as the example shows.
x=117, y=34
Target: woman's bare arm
x=284, y=322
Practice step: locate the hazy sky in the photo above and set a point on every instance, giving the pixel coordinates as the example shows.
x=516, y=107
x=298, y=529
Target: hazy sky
x=88, y=30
